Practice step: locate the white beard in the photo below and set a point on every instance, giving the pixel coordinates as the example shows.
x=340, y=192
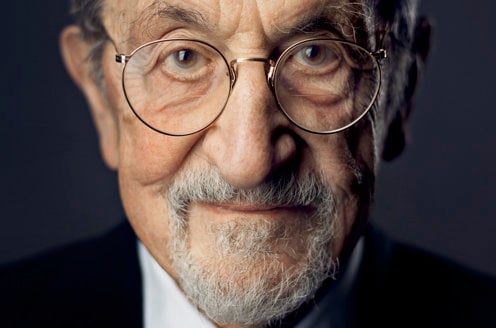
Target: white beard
x=247, y=278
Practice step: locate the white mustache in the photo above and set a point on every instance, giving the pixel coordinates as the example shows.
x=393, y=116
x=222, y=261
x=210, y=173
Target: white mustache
x=208, y=185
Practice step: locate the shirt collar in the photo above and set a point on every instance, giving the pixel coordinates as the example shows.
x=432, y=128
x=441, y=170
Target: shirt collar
x=164, y=304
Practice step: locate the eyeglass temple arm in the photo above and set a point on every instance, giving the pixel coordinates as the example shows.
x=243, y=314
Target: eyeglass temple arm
x=121, y=58
x=379, y=54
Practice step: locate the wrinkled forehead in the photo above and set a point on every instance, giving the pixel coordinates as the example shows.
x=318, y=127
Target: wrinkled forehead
x=134, y=22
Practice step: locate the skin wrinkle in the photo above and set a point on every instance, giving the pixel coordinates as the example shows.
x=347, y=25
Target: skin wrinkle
x=159, y=14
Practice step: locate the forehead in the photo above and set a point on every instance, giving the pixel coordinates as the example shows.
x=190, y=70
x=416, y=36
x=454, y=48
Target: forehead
x=145, y=20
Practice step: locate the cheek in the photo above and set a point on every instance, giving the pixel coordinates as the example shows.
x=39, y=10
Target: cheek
x=146, y=157
x=347, y=162
x=150, y=158
x=148, y=161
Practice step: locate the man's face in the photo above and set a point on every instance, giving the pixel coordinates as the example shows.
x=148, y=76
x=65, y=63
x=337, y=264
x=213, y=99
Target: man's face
x=252, y=205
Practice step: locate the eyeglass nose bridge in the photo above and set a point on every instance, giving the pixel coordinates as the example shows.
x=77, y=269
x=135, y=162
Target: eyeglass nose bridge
x=269, y=69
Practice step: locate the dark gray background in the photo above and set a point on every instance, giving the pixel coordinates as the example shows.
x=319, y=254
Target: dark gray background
x=439, y=195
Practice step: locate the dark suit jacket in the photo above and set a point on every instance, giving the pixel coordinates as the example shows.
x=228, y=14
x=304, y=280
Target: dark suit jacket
x=98, y=284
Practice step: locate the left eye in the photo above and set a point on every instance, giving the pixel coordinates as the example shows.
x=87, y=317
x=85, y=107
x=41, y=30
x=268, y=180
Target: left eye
x=316, y=55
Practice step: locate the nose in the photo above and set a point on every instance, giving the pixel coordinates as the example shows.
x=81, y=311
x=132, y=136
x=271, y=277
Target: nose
x=252, y=138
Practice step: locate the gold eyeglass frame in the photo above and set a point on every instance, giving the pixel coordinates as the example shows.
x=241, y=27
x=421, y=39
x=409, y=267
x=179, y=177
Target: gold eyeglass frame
x=270, y=71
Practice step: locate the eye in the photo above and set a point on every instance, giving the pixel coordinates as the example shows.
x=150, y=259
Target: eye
x=317, y=55
x=186, y=61
x=185, y=58
x=313, y=55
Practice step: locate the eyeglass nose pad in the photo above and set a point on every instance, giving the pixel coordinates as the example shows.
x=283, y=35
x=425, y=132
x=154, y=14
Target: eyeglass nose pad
x=270, y=73
x=269, y=69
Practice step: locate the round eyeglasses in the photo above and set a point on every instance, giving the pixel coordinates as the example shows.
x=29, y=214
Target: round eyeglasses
x=181, y=86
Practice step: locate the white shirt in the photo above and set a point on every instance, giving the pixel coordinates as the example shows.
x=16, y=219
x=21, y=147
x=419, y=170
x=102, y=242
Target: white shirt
x=164, y=304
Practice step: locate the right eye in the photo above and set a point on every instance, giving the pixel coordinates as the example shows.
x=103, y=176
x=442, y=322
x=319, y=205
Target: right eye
x=185, y=63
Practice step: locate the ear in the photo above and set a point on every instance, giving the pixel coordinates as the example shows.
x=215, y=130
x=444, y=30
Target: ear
x=76, y=55
x=396, y=135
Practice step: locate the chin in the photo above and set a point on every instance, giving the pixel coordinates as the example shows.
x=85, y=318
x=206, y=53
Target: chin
x=252, y=272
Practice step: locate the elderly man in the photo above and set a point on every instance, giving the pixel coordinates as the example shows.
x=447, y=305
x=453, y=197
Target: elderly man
x=246, y=136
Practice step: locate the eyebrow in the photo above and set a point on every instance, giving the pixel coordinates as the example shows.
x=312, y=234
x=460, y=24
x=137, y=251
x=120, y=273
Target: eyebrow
x=345, y=20
x=314, y=23
x=168, y=12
